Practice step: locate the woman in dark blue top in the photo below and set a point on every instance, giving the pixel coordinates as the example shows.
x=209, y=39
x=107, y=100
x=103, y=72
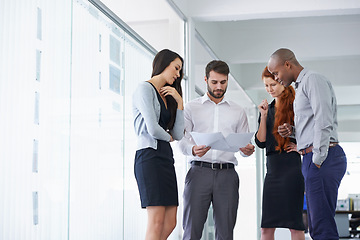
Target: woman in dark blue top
x=283, y=191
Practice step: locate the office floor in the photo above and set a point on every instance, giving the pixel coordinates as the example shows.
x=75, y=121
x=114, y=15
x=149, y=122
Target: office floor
x=307, y=237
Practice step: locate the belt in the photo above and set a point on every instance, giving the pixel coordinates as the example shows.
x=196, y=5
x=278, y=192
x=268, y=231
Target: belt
x=309, y=149
x=213, y=165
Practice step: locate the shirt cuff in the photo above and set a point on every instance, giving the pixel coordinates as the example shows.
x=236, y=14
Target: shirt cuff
x=317, y=159
x=189, y=150
x=243, y=154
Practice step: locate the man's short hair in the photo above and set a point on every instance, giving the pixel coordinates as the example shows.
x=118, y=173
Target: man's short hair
x=217, y=66
x=283, y=54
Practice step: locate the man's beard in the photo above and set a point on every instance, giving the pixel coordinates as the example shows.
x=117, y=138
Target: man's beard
x=216, y=96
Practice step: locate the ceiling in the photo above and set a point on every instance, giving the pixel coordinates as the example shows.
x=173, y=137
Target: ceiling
x=324, y=35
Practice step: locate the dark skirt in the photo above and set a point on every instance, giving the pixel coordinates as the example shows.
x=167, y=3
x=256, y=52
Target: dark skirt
x=283, y=192
x=155, y=176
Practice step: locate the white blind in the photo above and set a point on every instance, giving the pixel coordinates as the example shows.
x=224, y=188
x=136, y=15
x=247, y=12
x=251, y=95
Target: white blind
x=34, y=118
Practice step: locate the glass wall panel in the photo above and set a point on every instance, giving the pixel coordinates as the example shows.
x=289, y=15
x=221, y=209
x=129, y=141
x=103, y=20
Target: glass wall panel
x=34, y=122
x=138, y=65
x=68, y=145
x=97, y=107
x=107, y=66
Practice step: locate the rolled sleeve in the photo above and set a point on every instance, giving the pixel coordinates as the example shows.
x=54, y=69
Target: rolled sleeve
x=320, y=100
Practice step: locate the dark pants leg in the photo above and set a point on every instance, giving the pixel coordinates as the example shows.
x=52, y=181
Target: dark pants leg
x=321, y=186
x=197, y=198
x=225, y=203
x=203, y=186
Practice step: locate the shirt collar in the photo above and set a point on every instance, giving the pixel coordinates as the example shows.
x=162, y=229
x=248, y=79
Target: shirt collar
x=206, y=98
x=300, y=77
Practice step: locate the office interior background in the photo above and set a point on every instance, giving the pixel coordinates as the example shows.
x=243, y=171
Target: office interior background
x=67, y=72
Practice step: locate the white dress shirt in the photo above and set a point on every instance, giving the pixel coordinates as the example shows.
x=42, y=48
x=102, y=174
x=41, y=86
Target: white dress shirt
x=315, y=114
x=204, y=116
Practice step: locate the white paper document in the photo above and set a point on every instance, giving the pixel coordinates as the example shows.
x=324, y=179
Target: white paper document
x=217, y=141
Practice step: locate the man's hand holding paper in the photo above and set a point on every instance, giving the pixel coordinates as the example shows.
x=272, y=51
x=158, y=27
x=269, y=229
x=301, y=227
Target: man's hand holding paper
x=200, y=150
x=248, y=149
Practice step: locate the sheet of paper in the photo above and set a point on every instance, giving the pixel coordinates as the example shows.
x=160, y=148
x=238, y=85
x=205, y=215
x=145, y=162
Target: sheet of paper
x=239, y=140
x=217, y=141
x=206, y=139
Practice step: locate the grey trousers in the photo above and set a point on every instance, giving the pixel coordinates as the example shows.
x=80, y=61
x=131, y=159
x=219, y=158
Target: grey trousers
x=202, y=187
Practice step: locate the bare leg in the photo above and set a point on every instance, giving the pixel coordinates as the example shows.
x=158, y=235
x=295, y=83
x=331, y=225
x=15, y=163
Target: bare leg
x=267, y=233
x=170, y=222
x=297, y=234
x=155, y=226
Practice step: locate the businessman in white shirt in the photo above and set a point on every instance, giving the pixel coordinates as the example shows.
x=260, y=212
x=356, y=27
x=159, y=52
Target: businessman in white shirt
x=212, y=177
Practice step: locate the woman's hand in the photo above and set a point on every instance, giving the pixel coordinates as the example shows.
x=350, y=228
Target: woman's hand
x=263, y=108
x=292, y=147
x=285, y=130
x=170, y=91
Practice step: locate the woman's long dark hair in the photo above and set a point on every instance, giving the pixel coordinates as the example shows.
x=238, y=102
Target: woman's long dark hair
x=284, y=112
x=161, y=61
